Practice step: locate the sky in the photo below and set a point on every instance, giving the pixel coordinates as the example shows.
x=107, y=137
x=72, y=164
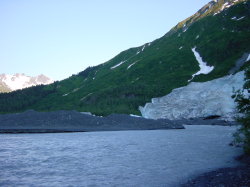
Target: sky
x=59, y=38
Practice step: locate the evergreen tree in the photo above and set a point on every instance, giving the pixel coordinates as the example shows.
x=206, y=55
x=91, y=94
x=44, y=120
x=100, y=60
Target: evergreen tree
x=242, y=98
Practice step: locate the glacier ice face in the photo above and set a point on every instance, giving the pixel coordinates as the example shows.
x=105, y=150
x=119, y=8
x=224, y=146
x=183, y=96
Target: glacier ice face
x=197, y=100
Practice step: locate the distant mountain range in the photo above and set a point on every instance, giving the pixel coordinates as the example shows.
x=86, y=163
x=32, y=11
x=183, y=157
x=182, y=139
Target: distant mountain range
x=18, y=81
x=212, y=43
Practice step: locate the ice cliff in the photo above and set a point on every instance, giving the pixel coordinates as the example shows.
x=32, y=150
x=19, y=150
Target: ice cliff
x=197, y=100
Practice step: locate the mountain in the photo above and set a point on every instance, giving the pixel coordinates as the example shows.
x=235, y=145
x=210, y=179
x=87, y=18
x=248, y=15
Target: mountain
x=212, y=43
x=20, y=81
x=4, y=87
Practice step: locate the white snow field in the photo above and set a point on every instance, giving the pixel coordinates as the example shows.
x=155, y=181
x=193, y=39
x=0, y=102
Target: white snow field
x=197, y=100
x=20, y=80
x=16, y=82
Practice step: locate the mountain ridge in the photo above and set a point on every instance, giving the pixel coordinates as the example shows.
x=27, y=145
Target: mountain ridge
x=136, y=75
x=20, y=81
x=212, y=8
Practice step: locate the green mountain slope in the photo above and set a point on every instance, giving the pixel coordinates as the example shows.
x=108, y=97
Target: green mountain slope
x=220, y=32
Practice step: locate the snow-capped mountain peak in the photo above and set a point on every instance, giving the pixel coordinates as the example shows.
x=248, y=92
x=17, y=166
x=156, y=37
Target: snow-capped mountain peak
x=20, y=80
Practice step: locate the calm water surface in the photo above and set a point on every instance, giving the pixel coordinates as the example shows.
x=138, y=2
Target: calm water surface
x=124, y=158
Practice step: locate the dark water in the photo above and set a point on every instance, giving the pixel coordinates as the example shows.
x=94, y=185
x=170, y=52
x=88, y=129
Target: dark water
x=124, y=158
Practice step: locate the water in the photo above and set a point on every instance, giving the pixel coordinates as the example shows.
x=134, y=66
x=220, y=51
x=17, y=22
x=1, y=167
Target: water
x=124, y=158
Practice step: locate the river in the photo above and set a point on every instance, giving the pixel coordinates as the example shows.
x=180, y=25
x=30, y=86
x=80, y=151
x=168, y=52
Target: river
x=114, y=158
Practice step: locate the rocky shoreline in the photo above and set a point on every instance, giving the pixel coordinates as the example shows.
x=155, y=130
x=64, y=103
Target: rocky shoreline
x=224, y=177
x=72, y=121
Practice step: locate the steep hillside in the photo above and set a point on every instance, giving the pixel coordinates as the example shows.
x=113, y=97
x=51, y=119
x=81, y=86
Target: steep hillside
x=219, y=34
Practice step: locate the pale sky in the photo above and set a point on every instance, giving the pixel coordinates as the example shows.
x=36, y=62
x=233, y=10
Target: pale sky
x=59, y=38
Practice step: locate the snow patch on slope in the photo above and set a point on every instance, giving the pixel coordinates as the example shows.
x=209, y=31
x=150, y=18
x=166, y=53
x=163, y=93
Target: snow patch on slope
x=132, y=64
x=248, y=58
x=85, y=96
x=73, y=91
x=237, y=19
x=143, y=48
x=226, y=5
x=240, y=18
x=65, y=94
x=197, y=100
x=185, y=29
x=204, y=69
x=117, y=65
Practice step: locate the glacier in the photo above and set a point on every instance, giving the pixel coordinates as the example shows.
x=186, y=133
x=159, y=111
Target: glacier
x=197, y=100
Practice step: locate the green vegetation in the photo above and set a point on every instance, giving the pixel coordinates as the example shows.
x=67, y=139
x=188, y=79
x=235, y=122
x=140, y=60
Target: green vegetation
x=243, y=100
x=148, y=71
x=21, y=99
